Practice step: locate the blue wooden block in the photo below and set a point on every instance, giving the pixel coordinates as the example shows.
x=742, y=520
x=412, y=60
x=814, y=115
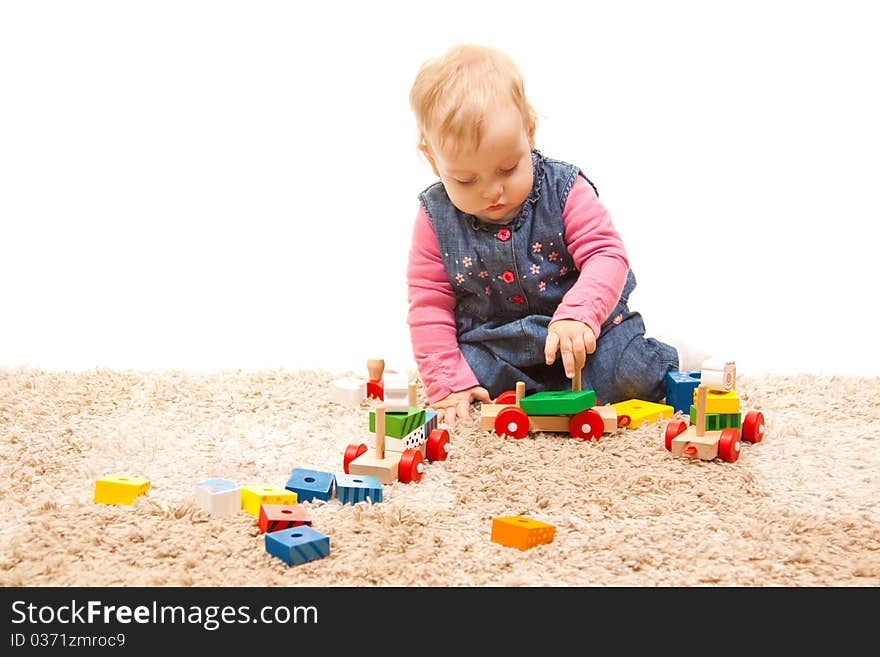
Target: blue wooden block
x=298, y=544
x=680, y=388
x=310, y=484
x=357, y=488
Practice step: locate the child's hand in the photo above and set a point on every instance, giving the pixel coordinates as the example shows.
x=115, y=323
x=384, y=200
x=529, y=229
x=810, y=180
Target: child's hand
x=456, y=405
x=574, y=339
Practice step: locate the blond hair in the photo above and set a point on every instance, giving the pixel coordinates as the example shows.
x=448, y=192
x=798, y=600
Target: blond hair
x=451, y=94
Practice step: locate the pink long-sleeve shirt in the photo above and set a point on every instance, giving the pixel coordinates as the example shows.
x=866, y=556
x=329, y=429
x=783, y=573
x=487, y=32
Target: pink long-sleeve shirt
x=591, y=239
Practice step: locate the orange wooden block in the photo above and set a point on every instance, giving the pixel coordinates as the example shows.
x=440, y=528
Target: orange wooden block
x=521, y=532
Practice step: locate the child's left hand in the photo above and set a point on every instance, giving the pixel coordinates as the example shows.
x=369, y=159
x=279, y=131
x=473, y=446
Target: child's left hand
x=574, y=339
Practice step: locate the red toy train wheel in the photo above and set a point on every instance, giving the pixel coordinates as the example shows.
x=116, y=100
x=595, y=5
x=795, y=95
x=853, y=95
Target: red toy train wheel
x=512, y=422
x=753, y=427
x=351, y=453
x=586, y=425
x=411, y=466
x=729, y=444
x=507, y=397
x=437, y=446
x=673, y=429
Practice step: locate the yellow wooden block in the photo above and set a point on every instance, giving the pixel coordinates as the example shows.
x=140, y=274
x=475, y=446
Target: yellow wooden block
x=521, y=532
x=252, y=497
x=639, y=411
x=115, y=489
x=719, y=401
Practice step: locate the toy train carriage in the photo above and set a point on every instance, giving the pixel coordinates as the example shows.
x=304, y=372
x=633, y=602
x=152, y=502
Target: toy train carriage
x=715, y=429
x=403, y=442
x=514, y=413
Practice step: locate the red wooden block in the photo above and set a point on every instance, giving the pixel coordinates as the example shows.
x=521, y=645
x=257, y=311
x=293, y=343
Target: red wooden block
x=275, y=517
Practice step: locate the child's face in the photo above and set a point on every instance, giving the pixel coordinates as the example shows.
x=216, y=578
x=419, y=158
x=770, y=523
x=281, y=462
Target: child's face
x=494, y=181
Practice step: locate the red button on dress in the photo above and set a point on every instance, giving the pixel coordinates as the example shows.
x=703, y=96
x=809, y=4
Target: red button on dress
x=503, y=234
x=507, y=276
x=518, y=299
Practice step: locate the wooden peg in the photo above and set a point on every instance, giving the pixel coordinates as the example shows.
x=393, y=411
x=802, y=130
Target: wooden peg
x=520, y=391
x=375, y=368
x=380, y=431
x=411, y=394
x=701, y=409
x=576, y=380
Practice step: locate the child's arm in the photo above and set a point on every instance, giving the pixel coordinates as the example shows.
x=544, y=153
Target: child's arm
x=431, y=319
x=600, y=256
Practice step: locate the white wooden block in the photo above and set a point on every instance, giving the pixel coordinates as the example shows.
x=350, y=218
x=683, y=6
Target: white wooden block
x=349, y=392
x=218, y=496
x=396, y=389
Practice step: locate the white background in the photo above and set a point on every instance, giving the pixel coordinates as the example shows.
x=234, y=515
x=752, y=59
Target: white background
x=231, y=185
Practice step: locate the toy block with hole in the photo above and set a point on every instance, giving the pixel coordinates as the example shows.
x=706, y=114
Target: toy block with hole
x=117, y=489
x=396, y=392
x=695, y=441
x=680, y=387
x=718, y=421
x=375, y=370
x=348, y=392
x=310, y=485
x=218, y=496
x=252, y=497
x=558, y=402
x=398, y=425
x=298, y=545
x=521, y=532
x=351, y=489
x=720, y=401
x=275, y=517
x=633, y=413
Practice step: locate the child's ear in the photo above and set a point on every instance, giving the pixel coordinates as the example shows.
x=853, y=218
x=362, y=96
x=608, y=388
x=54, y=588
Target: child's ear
x=427, y=153
x=532, y=135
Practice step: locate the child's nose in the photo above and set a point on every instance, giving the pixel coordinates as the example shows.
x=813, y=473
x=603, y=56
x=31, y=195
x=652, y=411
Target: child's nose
x=493, y=191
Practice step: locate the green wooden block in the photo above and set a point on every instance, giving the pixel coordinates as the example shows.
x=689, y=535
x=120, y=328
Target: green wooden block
x=400, y=425
x=718, y=421
x=558, y=402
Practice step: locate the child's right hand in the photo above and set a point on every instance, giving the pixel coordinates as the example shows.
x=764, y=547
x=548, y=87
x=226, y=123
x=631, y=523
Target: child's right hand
x=456, y=405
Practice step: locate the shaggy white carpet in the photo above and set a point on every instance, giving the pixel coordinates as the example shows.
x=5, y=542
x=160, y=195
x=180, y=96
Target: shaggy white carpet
x=801, y=508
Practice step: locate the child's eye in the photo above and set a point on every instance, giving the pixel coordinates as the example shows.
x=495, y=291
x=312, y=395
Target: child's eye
x=509, y=171
x=465, y=182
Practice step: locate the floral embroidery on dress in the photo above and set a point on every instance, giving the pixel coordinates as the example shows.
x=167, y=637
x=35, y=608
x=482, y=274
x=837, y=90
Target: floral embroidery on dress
x=536, y=247
x=483, y=274
x=552, y=256
x=466, y=261
x=459, y=279
x=488, y=289
x=563, y=270
x=542, y=286
x=535, y=269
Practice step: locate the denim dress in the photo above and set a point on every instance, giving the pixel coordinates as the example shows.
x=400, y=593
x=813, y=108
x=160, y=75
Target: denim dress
x=508, y=281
